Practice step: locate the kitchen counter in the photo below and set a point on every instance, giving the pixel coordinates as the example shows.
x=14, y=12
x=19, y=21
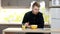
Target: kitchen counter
x=39, y=30
x=15, y=25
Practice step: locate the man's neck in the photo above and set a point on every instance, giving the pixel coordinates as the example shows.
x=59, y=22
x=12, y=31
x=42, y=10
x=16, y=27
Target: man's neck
x=35, y=13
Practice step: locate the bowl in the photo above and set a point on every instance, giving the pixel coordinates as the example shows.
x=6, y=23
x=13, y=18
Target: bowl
x=33, y=26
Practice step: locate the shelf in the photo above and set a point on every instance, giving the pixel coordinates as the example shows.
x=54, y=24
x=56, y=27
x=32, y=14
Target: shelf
x=54, y=7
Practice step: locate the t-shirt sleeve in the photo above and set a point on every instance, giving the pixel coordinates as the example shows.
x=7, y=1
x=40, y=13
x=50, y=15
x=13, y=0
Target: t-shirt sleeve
x=25, y=18
x=42, y=21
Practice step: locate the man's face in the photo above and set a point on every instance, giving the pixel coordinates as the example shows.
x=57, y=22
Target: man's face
x=35, y=9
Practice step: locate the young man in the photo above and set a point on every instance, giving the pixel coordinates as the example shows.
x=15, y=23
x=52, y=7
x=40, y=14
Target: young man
x=34, y=17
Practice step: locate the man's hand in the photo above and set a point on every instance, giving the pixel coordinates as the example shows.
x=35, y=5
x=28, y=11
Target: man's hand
x=27, y=24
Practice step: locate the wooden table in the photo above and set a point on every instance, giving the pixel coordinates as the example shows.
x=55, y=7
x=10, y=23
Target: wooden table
x=39, y=30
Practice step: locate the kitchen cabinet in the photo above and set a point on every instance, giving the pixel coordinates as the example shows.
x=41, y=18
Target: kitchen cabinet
x=16, y=3
x=20, y=3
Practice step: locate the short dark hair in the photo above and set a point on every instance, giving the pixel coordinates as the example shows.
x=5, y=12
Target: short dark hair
x=36, y=4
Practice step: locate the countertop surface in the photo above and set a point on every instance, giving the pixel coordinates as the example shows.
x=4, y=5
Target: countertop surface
x=45, y=30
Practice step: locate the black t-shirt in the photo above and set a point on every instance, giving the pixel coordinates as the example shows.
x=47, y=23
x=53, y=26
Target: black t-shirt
x=34, y=19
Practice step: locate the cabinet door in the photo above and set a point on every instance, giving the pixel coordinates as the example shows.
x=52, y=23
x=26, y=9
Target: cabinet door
x=25, y=3
x=17, y=3
x=4, y=2
x=12, y=3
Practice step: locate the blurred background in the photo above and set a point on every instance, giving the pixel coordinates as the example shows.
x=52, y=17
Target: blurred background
x=12, y=12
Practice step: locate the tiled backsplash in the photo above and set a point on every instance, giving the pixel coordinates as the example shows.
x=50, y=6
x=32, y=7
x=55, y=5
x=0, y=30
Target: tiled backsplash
x=12, y=15
x=16, y=15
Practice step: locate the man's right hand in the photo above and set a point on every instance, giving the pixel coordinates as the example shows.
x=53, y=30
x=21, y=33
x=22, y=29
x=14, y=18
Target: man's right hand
x=27, y=24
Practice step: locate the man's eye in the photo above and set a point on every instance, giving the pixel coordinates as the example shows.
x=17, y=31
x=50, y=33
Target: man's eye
x=36, y=9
